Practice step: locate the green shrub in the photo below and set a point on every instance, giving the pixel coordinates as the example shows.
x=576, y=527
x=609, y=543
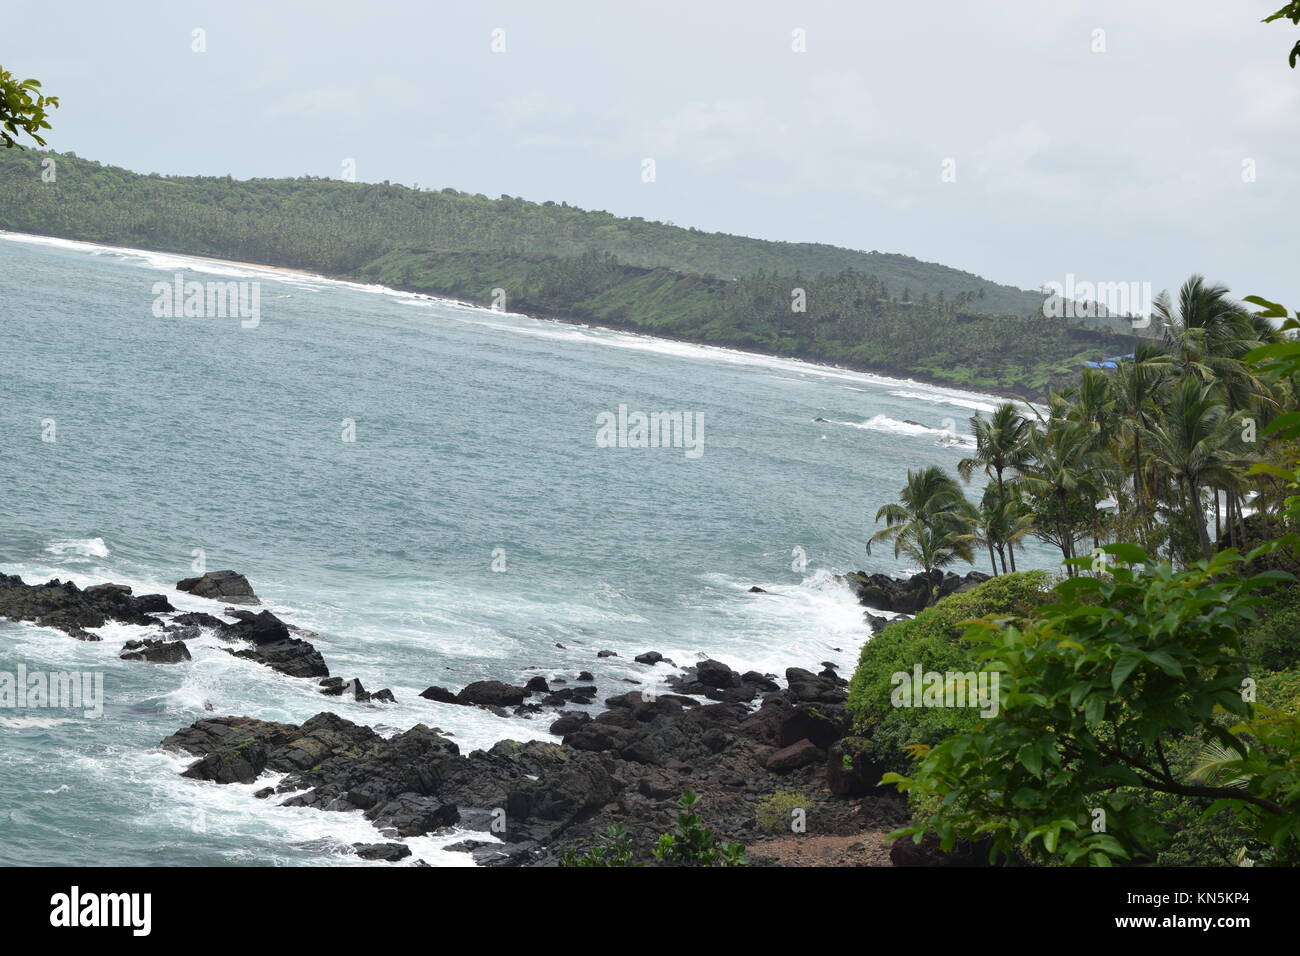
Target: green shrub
x=774, y=812
x=1273, y=642
x=932, y=639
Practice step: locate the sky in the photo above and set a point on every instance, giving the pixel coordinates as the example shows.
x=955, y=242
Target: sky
x=1127, y=141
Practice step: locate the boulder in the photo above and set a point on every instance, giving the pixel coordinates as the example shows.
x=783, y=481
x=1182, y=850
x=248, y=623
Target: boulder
x=713, y=673
x=228, y=586
x=155, y=651
x=440, y=694
x=492, y=693
x=388, y=852
x=852, y=769
x=797, y=755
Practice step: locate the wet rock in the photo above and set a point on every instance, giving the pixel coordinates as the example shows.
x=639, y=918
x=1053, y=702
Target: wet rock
x=713, y=673
x=585, y=676
x=757, y=590
x=440, y=694
x=537, y=685
x=852, y=769
x=155, y=651
x=492, y=693
x=569, y=721
x=388, y=852
x=606, y=654
x=649, y=657
x=228, y=586
x=63, y=605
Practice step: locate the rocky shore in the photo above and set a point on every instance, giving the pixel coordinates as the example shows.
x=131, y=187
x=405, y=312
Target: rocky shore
x=773, y=758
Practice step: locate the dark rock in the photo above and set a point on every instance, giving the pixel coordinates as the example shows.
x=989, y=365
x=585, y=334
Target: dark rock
x=65, y=606
x=293, y=657
x=756, y=590
x=761, y=681
x=384, y=696
x=712, y=673
x=797, y=755
x=225, y=586
x=585, y=676
x=569, y=721
x=492, y=693
x=440, y=694
x=537, y=685
x=155, y=651
x=388, y=852
x=904, y=852
x=852, y=769
x=606, y=654
x=649, y=657
x=412, y=814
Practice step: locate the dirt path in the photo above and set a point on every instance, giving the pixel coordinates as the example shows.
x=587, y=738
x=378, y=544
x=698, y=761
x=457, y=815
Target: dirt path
x=859, y=849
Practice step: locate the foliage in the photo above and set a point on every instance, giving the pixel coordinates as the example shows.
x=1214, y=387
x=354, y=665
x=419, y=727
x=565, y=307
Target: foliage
x=1289, y=12
x=774, y=812
x=932, y=639
x=930, y=523
x=23, y=109
x=1273, y=642
x=690, y=844
x=1093, y=688
x=616, y=850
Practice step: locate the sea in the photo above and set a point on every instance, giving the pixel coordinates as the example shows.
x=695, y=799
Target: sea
x=442, y=493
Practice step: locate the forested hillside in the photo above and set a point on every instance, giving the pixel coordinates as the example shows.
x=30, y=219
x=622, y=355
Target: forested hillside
x=872, y=311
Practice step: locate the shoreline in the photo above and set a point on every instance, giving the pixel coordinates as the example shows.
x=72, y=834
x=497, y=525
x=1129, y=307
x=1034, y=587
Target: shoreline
x=891, y=374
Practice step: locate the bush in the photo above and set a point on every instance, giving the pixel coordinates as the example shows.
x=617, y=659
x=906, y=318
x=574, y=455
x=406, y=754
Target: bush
x=932, y=639
x=1273, y=643
x=774, y=812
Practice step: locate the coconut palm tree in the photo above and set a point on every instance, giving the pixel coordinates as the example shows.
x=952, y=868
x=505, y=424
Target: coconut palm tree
x=1194, y=440
x=931, y=523
x=999, y=447
x=1062, y=475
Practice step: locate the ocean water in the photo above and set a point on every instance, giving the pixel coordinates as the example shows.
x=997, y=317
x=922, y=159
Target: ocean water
x=471, y=525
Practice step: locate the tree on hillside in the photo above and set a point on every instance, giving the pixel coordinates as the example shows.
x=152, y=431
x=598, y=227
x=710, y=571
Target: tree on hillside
x=22, y=109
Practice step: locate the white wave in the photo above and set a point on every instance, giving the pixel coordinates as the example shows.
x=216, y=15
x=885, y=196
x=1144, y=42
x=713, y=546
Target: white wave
x=938, y=397
x=80, y=547
x=883, y=423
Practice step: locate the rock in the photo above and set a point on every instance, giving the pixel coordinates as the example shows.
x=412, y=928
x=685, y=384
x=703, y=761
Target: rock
x=568, y=722
x=649, y=657
x=807, y=686
x=904, y=852
x=412, y=814
x=492, y=693
x=262, y=628
x=756, y=590
x=606, y=654
x=537, y=685
x=384, y=696
x=388, y=852
x=65, y=606
x=797, y=755
x=712, y=673
x=293, y=657
x=440, y=694
x=585, y=676
x=225, y=586
x=852, y=769
x=908, y=596
x=761, y=681
x=155, y=651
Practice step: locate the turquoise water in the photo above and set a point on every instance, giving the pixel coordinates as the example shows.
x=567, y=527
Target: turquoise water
x=471, y=526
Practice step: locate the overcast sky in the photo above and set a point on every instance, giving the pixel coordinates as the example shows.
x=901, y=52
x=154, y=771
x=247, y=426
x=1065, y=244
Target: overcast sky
x=1122, y=165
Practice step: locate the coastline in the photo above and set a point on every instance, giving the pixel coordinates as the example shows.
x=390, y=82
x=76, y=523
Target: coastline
x=889, y=373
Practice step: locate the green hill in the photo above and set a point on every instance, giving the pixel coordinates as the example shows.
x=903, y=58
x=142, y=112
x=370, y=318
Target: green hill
x=872, y=311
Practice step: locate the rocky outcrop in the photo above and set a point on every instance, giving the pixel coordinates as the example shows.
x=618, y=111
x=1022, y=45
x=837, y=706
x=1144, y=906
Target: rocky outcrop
x=228, y=586
x=910, y=595
x=63, y=605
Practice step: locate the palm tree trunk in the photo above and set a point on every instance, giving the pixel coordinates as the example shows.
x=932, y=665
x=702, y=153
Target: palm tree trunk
x=1198, y=518
x=992, y=560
